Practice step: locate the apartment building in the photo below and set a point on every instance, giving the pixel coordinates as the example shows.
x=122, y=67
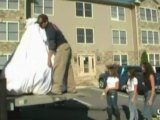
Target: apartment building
x=97, y=32
x=100, y=32
x=12, y=19
x=148, y=29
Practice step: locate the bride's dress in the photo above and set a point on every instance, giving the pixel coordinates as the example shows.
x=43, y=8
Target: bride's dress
x=28, y=71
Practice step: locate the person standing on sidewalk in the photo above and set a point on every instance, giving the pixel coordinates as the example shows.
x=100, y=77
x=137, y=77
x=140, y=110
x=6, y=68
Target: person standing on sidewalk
x=132, y=85
x=58, y=45
x=111, y=92
x=149, y=91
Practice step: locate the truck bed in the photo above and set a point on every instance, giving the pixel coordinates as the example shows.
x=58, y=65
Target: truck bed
x=28, y=100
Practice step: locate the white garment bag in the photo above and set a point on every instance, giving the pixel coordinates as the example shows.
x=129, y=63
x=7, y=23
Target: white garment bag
x=28, y=71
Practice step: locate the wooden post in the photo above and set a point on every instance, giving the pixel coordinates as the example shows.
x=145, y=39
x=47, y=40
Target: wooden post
x=3, y=101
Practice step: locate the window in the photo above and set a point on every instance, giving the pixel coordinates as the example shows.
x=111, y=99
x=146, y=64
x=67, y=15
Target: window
x=120, y=59
x=9, y=31
x=43, y=6
x=83, y=9
x=150, y=37
x=3, y=60
x=84, y=35
x=119, y=37
x=142, y=14
x=154, y=59
x=86, y=64
x=3, y=33
x=9, y=4
x=117, y=13
x=147, y=14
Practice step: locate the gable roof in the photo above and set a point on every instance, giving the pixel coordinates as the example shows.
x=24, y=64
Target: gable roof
x=157, y=1
x=128, y=3
x=113, y=2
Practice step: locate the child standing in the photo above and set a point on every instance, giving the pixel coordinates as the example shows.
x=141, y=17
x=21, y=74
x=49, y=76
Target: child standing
x=111, y=92
x=132, y=85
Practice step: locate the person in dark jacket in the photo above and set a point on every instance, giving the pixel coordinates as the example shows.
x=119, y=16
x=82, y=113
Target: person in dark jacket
x=58, y=46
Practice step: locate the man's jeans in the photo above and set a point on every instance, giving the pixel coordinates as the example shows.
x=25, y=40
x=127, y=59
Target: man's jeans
x=132, y=108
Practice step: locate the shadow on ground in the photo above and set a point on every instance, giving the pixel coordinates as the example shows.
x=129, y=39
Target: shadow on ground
x=126, y=111
x=70, y=110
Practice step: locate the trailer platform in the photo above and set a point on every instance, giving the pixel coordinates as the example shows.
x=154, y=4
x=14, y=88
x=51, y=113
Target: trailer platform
x=29, y=100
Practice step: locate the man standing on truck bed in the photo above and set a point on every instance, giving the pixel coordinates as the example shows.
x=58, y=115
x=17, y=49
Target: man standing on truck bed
x=58, y=45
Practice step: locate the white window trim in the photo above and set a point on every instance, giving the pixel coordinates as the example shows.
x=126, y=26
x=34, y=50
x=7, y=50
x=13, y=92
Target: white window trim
x=85, y=35
x=151, y=15
x=7, y=32
x=36, y=14
x=119, y=37
x=120, y=54
x=147, y=30
x=11, y=9
x=84, y=16
x=7, y=55
x=154, y=57
x=117, y=19
x=85, y=74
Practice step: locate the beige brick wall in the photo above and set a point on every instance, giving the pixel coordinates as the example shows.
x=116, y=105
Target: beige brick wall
x=148, y=26
x=102, y=25
x=12, y=15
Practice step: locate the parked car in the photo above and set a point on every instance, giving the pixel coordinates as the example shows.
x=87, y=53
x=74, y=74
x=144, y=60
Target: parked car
x=123, y=77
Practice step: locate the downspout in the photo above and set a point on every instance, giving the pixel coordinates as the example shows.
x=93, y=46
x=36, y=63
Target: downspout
x=137, y=31
x=25, y=9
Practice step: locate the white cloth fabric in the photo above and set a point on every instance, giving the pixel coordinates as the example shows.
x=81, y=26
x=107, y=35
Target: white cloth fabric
x=30, y=21
x=28, y=71
x=111, y=82
x=131, y=83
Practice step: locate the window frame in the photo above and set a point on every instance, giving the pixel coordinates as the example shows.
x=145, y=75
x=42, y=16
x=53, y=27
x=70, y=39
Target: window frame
x=7, y=55
x=18, y=32
x=36, y=14
x=120, y=43
x=80, y=66
x=153, y=33
x=120, y=58
x=154, y=58
x=118, y=14
x=85, y=41
x=7, y=7
x=84, y=14
x=145, y=12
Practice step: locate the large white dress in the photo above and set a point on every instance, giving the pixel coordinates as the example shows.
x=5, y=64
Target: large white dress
x=28, y=71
